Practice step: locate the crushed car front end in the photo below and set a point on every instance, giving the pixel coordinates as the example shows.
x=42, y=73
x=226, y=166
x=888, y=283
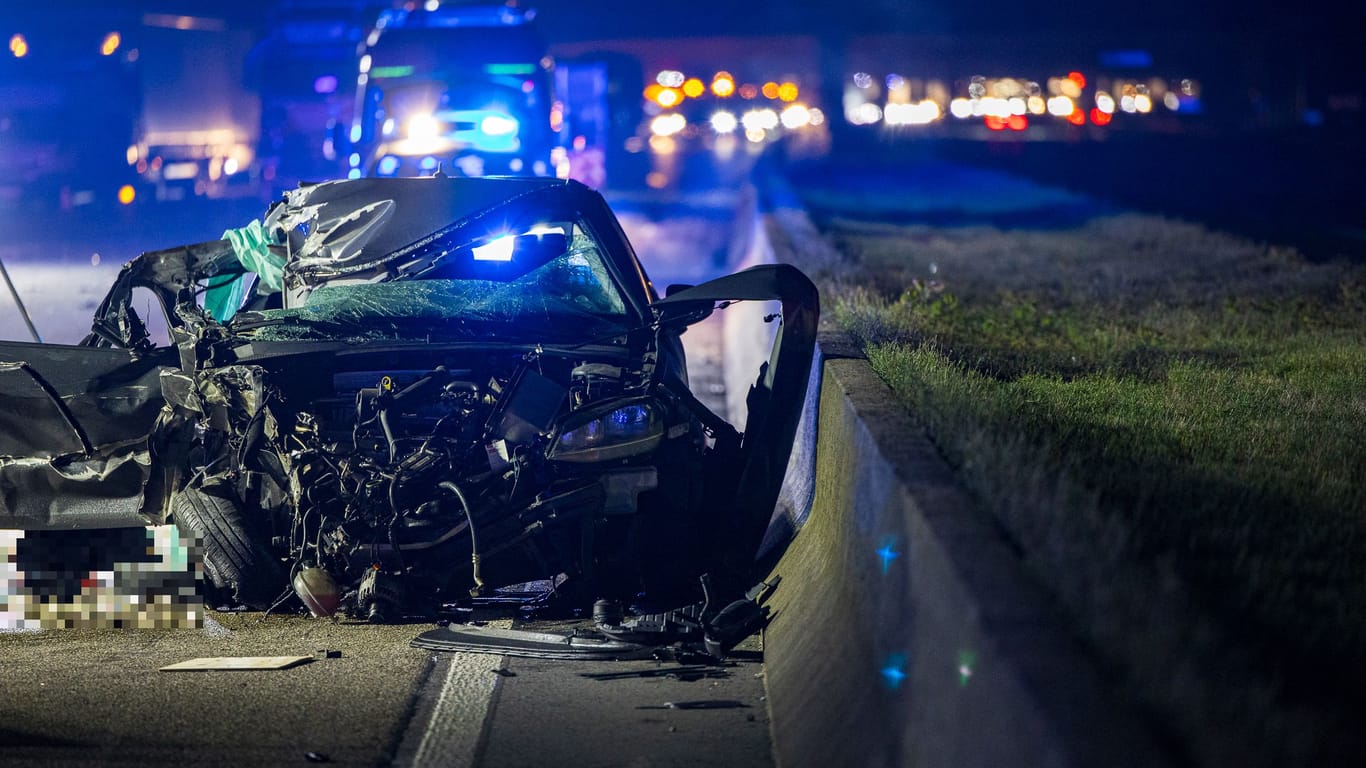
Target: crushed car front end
x=397, y=393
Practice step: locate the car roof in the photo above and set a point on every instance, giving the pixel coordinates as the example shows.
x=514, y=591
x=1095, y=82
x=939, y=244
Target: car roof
x=420, y=206
x=400, y=215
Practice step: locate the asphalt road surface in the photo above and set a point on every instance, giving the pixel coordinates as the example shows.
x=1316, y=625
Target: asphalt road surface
x=96, y=697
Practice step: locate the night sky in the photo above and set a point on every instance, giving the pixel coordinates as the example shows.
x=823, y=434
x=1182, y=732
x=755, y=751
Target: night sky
x=1311, y=34
x=690, y=17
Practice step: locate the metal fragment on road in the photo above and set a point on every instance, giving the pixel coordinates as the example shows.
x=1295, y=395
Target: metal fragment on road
x=538, y=645
x=704, y=704
x=242, y=663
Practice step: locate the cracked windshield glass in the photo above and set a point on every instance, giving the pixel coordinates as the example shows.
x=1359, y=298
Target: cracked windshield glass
x=544, y=282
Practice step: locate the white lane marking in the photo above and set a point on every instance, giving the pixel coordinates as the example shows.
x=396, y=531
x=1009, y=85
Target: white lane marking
x=447, y=731
x=451, y=735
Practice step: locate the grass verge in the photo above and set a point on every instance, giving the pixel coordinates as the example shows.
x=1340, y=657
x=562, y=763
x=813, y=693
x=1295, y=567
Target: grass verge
x=1171, y=424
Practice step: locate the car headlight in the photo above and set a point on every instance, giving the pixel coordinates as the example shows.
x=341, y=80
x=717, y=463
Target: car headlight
x=498, y=125
x=614, y=431
x=423, y=127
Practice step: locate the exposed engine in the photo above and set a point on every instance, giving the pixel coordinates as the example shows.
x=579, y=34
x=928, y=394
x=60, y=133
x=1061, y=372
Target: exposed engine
x=503, y=468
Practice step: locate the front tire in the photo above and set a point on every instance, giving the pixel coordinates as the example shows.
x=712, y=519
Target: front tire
x=234, y=560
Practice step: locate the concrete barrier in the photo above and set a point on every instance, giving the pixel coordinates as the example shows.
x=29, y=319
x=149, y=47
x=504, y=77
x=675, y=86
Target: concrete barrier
x=905, y=629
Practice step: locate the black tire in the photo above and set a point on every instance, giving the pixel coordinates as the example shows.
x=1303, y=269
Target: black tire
x=234, y=560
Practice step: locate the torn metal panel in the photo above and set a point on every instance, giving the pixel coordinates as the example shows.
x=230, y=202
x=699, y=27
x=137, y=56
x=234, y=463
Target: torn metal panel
x=698, y=632
x=536, y=645
x=74, y=430
x=322, y=220
x=103, y=490
x=110, y=394
x=173, y=275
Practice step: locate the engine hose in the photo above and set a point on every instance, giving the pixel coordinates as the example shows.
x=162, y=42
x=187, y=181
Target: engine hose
x=388, y=433
x=393, y=522
x=474, y=543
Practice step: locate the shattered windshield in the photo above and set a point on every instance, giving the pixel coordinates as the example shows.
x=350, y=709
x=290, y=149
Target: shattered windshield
x=547, y=282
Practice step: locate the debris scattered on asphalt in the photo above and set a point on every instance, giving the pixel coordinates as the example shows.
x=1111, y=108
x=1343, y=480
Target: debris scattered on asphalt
x=701, y=704
x=707, y=704
x=503, y=672
x=317, y=757
x=236, y=663
x=692, y=634
x=327, y=653
x=685, y=674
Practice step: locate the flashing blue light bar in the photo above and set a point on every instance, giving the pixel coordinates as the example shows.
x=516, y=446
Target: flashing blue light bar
x=457, y=16
x=496, y=250
x=521, y=68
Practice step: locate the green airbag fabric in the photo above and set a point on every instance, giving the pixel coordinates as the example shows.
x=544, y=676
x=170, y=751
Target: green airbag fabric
x=251, y=246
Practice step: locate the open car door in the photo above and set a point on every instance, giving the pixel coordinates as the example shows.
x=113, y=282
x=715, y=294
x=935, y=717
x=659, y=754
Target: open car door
x=775, y=400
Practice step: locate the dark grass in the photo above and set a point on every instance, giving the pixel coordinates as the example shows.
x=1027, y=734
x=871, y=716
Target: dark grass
x=1169, y=421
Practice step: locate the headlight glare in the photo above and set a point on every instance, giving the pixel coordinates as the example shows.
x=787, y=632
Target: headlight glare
x=498, y=125
x=423, y=127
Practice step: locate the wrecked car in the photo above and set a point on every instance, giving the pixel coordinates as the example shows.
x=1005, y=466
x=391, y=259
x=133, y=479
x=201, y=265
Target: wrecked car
x=391, y=394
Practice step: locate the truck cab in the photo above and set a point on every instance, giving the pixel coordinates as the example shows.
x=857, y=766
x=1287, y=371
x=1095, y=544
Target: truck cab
x=463, y=88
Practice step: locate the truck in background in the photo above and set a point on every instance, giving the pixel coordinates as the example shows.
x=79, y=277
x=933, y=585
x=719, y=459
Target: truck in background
x=464, y=88
x=70, y=104
x=199, y=119
x=307, y=72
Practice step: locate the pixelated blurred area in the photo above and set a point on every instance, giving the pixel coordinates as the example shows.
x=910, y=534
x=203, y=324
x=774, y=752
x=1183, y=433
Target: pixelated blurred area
x=101, y=579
